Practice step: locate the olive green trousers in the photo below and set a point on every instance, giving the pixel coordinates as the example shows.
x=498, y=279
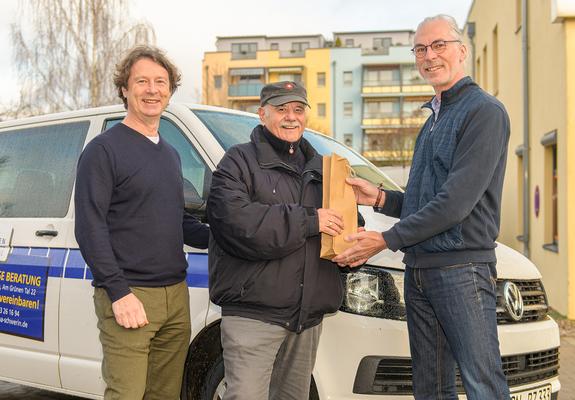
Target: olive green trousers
x=148, y=362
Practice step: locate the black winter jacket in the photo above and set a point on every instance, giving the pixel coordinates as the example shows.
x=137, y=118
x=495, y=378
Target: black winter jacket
x=264, y=262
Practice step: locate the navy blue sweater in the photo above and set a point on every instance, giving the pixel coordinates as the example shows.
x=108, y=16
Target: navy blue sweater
x=450, y=210
x=130, y=219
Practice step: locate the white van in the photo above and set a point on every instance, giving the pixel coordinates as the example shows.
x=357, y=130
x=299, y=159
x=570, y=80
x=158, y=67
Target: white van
x=48, y=334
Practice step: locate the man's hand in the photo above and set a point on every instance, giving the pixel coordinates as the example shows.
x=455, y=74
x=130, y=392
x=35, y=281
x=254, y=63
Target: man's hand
x=365, y=192
x=330, y=221
x=369, y=243
x=129, y=312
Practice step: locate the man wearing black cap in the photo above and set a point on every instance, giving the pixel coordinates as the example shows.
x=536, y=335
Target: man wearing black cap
x=265, y=216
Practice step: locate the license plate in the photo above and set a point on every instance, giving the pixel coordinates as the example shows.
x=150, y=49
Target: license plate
x=540, y=393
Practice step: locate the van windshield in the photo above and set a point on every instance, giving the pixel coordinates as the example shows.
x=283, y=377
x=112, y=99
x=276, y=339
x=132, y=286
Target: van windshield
x=230, y=129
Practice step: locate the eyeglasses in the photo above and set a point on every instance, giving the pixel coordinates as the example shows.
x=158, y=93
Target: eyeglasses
x=438, y=47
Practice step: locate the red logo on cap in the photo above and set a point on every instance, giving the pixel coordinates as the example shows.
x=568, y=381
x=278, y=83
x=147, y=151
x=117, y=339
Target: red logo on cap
x=289, y=86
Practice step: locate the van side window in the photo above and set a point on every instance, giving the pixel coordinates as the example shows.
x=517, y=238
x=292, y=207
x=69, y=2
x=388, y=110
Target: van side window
x=197, y=176
x=37, y=169
x=228, y=129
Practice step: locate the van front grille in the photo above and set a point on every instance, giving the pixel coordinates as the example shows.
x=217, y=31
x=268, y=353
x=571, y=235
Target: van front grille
x=534, y=301
x=388, y=375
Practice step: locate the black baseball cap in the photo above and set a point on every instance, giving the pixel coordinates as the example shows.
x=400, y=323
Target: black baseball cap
x=279, y=93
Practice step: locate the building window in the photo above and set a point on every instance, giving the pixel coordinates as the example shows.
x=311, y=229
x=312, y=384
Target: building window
x=347, y=78
x=348, y=109
x=381, y=109
x=244, y=50
x=410, y=76
x=217, y=81
x=299, y=48
x=412, y=107
x=349, y=43
x=495, y=62
x=249, y=107
x=484, y=80
x=321, y=79
x=321, y=110
x=382, y=45
x=388, y=76
x=550, y=213
x=290, y=77
x=519, y=202
x=478, y=71
x=348, y=139
x=274, y=46
x=554, y=208
x=518, y=15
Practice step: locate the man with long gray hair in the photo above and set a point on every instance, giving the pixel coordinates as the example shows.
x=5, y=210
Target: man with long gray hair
x=449, y=220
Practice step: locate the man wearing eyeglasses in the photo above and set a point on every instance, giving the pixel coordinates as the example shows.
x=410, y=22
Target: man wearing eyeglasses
x=449, y=220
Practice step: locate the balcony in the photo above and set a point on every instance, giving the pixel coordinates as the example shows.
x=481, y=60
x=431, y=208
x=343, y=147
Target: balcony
x=380, y=82
x=414, y=119
x=375, y=51
x=244, y=55
x=245, y=90
x=380, y=120
x=416, y=85
x=292, y=54
x=383, y=87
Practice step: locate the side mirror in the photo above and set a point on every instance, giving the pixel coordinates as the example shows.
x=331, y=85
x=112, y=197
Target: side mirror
x=193, y=202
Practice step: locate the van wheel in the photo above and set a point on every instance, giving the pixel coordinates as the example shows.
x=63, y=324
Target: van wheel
x=215, y=385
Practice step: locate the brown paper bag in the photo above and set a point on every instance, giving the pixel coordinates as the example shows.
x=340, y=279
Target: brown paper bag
x=339, y=196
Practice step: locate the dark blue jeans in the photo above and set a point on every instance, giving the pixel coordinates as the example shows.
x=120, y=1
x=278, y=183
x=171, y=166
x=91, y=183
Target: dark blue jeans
x=451, y=319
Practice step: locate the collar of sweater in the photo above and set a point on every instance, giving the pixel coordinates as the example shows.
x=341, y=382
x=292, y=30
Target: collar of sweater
x=452, y=94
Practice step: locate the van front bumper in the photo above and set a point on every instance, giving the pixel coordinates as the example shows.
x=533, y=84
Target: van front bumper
x=366, y=358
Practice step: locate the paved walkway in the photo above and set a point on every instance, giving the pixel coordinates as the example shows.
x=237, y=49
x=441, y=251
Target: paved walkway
x=9, y=391
x=567, y=367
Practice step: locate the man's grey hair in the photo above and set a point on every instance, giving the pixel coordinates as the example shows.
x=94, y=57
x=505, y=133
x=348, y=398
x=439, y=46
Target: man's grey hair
x=455, y=31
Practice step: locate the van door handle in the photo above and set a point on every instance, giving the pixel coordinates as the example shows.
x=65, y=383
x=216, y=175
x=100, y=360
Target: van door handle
x=46, y=232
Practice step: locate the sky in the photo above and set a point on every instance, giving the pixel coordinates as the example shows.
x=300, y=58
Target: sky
x=186, y=29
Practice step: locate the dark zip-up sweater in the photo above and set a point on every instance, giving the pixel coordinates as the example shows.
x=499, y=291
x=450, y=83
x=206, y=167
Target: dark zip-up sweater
x=130, y=218
x=450, y=211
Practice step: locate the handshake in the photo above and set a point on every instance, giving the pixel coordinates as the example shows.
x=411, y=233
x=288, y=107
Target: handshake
x=369, y=243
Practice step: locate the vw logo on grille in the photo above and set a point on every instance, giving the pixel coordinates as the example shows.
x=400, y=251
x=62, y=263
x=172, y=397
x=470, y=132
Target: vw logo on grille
x=513, y=301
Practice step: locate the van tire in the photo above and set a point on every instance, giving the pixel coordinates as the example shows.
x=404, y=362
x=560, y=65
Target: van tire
x=214, y=386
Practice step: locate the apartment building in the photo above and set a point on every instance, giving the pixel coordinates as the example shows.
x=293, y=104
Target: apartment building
x=524, y=54
x=378, y=94
x=363, y=86
x=235, y=73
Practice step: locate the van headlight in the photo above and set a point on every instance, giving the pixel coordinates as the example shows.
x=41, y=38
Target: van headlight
x=374, y=292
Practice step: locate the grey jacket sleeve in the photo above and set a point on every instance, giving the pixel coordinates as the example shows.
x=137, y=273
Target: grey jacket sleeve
x=253, y=230
x=483, y=142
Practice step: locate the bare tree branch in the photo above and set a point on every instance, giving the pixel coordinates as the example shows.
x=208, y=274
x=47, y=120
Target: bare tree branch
x=66, y=51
